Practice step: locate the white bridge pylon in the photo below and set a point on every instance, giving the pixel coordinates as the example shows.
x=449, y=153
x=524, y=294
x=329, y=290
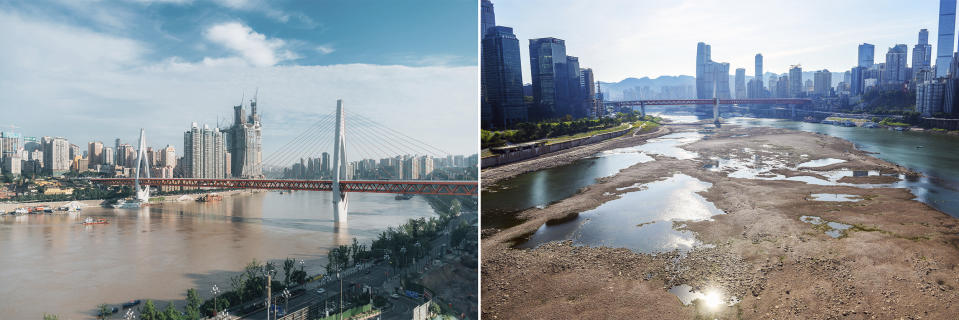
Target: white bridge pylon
x=340, y=200
x=143, y=195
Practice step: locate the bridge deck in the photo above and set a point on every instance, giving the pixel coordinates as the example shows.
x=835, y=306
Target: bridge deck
x=468, y=188
x=680, y=102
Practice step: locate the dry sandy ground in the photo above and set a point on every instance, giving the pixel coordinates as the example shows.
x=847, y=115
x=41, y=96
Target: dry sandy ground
x=898, y=261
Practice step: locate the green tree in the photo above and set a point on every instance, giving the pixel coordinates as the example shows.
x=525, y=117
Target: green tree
x=193, y=302
x=149, y=311
x=103, y=311
x=288, y=266
x=50, y=317
x=170, y=313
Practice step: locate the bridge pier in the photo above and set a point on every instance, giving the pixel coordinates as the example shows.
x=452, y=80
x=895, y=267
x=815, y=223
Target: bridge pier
x=716, y=112
x=143, y=195
x=642, y=108
x=340, y=200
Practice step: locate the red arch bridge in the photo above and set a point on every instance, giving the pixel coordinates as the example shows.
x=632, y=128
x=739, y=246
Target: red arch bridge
x=455, y=188
x=715, y=102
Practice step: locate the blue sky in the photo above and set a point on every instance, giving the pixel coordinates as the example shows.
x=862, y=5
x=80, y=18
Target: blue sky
x=97, y=70
x=637, y=38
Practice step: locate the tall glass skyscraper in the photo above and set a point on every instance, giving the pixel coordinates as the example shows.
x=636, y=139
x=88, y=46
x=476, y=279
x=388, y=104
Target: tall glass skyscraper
x=502, y=78
x=922, y=52
x=547, y=61
x=867, y=54
x=947, y=34
x=487, y=18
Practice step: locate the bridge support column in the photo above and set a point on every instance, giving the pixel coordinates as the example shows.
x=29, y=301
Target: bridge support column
x=792, y=109
x=716, y=112
x=144, y=194
x=340, y=200
x=642, y=108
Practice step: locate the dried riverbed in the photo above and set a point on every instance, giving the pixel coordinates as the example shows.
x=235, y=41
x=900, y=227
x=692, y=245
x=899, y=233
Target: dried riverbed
x=760, y=259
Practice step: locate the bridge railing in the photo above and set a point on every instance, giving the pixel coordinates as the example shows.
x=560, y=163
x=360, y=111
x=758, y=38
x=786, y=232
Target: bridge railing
x=369, y=186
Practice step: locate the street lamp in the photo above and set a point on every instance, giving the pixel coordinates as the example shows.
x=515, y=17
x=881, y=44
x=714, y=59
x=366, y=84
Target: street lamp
x=286, y=294
x=215, y=290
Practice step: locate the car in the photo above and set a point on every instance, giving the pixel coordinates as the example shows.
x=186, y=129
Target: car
x=320, y=291
x=395, y=296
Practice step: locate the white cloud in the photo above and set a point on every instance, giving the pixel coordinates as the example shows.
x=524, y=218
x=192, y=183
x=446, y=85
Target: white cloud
x=325, y=49
x=67, y=81
x=252, y=46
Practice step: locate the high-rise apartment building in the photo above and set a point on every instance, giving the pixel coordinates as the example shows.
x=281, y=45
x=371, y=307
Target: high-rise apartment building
x=550, y=77
x=56, y=155
x=867, y=54
x=502, y=80
x=947, y=34
x=204, y=153
x=244, y=142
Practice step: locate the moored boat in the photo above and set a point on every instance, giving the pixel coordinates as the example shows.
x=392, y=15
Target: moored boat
x=89, y=221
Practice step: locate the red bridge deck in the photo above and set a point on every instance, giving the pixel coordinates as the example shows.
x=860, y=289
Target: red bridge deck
x=680, y=102
x=456, y=188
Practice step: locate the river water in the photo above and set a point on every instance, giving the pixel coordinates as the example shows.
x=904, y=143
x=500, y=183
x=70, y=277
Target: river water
x=52, y=264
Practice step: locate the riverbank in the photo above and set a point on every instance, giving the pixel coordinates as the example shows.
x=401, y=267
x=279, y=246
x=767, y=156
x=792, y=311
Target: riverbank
x=7, y=207
x=760, y=259
x=493, y=175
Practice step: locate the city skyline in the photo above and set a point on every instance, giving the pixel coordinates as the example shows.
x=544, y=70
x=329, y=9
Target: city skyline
x=662, y=45
x=106, y=79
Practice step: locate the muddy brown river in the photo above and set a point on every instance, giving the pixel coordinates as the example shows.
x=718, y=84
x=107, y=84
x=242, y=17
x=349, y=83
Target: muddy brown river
x=53, y=264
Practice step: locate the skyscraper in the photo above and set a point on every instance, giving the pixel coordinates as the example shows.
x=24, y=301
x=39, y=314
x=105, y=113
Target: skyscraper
x=589, y=89
x=244, y=142
x=867, y=54
x=740, y=83
x=204, y=153
x=895, y=72
x=487, y=18
x=922, y=52
x=710, y=74
x=795, y=81
x=759, y=68
x=947, y=30
x=502, y=79
x=577, y=107
x=95, y=153
x=549, y=74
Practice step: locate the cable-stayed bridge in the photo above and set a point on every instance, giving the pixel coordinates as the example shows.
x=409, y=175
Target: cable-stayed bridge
x=392, y=162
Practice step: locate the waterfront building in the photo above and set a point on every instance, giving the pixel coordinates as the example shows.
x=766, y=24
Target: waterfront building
x=866, y=55
x=589, y=90
x=822, y=83
x=929, y=97
x=740, y=83
x=759, y=68
x=577, y=105
x=550, y=79
x=56, y=155
x=947, y=30
x=782, y=87
x=244, y=143
x=502, y=80
x=895, y=65
x=795, y=81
